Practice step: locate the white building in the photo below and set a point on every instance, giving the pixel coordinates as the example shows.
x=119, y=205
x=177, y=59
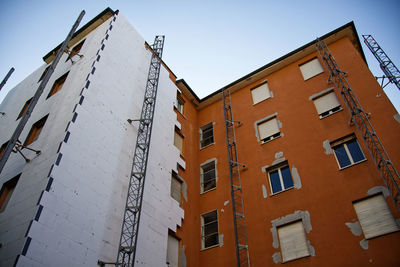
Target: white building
x=65, y=206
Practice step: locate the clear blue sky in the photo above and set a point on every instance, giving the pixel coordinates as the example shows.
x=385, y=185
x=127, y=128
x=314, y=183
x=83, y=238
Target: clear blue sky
x=209, y=43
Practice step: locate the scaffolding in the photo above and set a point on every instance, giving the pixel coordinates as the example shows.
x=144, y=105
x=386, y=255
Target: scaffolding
x=14, y=138
x=392, y=73
x=242, y=249
x=360, y=118
x=130, y=225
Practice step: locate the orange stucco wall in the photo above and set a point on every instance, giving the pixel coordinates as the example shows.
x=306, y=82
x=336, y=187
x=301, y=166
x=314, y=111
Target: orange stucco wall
x=326, y=192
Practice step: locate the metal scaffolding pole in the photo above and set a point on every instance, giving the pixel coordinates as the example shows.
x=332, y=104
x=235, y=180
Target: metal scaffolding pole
x=39, y=91
x=130, y=225
x=360, y=118
x=392, y=73
x=242, y=249
x=6, y=78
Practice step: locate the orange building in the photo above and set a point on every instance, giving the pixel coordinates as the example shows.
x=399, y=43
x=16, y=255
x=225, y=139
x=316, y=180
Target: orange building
x=312, y=193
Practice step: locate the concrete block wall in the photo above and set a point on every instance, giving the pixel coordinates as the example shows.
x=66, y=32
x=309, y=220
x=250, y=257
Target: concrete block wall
x=72, y=195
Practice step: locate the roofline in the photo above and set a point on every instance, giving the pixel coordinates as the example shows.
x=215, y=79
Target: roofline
x=350, y=24
x=84, y=27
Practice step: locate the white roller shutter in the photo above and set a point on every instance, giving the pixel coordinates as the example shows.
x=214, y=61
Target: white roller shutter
x=260, y=93
x=326, y=102
x=311, y=68
x=268, y=128
x=293, y=241
x=176, y=189
x=375, y=217
x=172, y=251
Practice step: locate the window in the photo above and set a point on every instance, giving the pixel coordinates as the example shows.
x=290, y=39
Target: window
x=24, y=108
x=172, y=251
x=35, y=131
x=178, y=140
x=6, y=191
x=347, y=151
x=206, y=135
x=280, y=178
x=57, y=85
x=268, y=130
x=179, y=104
x=327, y=104
x=75, y=50
x=293, y=241
x=311, y=68
x=375, y=216
x=176, y=188
x=208, y=176
x=209, y=229
x=44, y=73
x=3, y=148
x=260, y=93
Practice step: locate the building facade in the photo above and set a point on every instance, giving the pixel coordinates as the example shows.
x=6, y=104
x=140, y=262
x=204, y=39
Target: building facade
x=312, y=194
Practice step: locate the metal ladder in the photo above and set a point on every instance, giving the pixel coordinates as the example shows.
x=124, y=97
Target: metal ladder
x=130, y=225
x=242, y=249
x=360, y=118
x=387, y=66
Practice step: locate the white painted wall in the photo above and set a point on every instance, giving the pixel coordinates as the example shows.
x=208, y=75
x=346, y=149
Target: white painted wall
x=81, y=214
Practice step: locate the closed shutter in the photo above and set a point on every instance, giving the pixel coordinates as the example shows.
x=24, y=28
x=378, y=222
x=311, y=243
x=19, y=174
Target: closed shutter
x=178, y=141
x=176, y=188
x=268, y=128
x=375, y=217
x=293, y=241
x=326, y=102
x=172, y=251
x=260, y=93
x=311, y=68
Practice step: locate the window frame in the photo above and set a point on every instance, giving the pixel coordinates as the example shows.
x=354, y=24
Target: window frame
x=362, y=224
x=24, y=108
x=308, y=62
x=330, y=111
x=308, y=253
x=278, y=168
x=211, y=181
x=270, y=137
x=265, y=83
x=44, y=73
x=202, y=230
x=5, y=196
x=3, y=148
x=35, y=131
x=207, y=127
x=58, y=84
x=178, y=134
x=343, y=141
x=179, y=105
x=75, y=50
x=175, y=176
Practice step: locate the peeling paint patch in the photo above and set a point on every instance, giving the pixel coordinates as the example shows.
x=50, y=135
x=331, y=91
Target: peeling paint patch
x=182, y=257
x=278, y=161
x=278, y=155
x=221, y=240
x=397, y=117
x=279, y=124
x=355, y=228
x=222, y=210
x=296, y=178
x=275, y=241
x=264, y=191
x=379, y=189
x=226, y=202
x=364, y=244
x=311, y=248
x=276, y=257
x=327, y=146
x=271, y=94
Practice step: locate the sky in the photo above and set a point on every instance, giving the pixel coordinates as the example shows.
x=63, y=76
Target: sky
x=209, y=43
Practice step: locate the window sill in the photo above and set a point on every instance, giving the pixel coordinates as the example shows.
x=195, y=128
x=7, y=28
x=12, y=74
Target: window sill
x=207, y=248
x=212, y=189
x=264, y=142
x=287, y=189
x=348, y=166
x=321, y=118
x=207, y=146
